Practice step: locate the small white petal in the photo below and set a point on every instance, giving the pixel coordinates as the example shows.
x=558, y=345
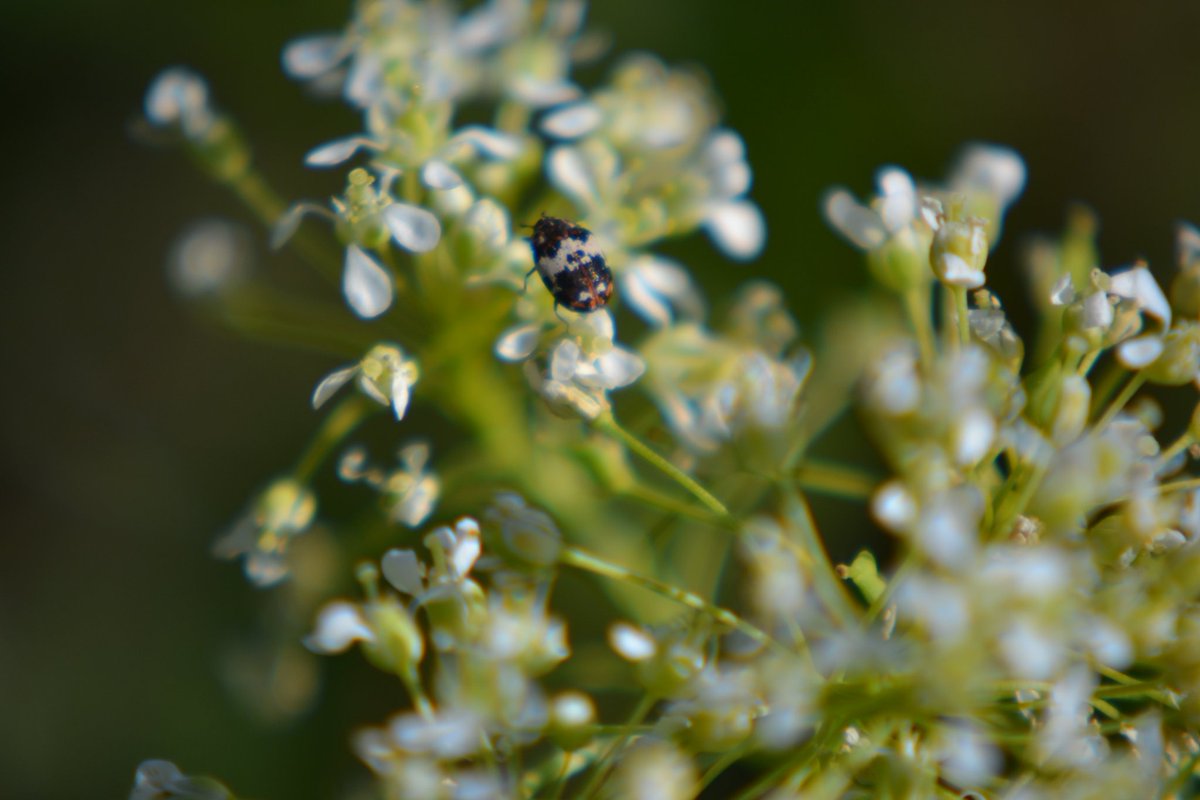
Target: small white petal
x=1138, y=284
x=413, y=228
x=599, y=324
x=285, y=227
x=366, y=285
x=174, y=95
x=311, y=56
x=998, y=171
x=339, y=625
x=647, y=303
x=336, y=152
x=654, y=286
x=973, y=436
x=632, y=644
x=403, y=570
x=737, y=228
x=1062, y=292
x=330, y=384
x=489, y=142
x=957, y=272
x=899, y=198
x=1140, y=352
x=517, y=343
x=893, y=506
x=573, y=121
x=862, y=226
x=465, y=554
x=565, y=361
x=400, y=394
x=619, y=367
x=540, y=93
x=568, y=171
x=440, y=175
x=1097, y=311
x=365, y=82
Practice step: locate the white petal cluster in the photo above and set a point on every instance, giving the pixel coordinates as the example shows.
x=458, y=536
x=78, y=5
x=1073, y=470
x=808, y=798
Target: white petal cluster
x=710, y=385
x=385, y=375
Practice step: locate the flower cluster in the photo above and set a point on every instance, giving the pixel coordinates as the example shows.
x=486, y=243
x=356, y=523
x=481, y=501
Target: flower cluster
x=1031, y=632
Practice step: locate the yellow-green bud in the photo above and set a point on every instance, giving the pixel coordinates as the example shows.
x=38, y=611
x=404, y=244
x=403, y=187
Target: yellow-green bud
x=398, y=646
x=902, y=262
x=959, y=252
x=1180, y=359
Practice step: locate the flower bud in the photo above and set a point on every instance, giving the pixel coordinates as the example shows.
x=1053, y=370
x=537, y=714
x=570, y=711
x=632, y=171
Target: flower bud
x=397, y=646
x=902, y=262
x=522, y=534
x=959, y=252
x=1180, y=359
x=571, y=717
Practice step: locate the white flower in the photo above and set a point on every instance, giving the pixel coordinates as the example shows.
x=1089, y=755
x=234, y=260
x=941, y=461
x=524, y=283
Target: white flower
x=1138, y=284
x=161, y=780
x=366, y=284
x=412, y=491
x=655, y=770
x=179, y=96
x=264, y=533
x=583, y=367
x=339, y=625
x=996, y=170
x=870, y=226
x=210, y=256
x=528, y=534
x=384, y=375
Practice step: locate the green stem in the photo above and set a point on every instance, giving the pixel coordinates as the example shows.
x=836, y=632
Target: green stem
x=835, y=480
x=1173, y=789
x=580, y=559
x=412, y=683
x=962, y=313
x=831, y=589
x=721, y=764
x=606, y=423
x=338, y=424
x=603, y=764
x=664, y=502
x=1126, y=394
x=916, y=305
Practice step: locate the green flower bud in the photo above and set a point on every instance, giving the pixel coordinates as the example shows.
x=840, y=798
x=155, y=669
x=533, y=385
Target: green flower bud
x=572, y=715
x=398, y=646
x=902, y=263
x=959, y=252
x=1180, y=359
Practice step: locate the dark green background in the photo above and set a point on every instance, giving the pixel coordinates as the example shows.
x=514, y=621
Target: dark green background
x=130, y=432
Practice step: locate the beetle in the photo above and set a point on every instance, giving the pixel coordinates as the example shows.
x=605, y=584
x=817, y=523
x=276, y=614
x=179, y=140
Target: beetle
x=570, y=264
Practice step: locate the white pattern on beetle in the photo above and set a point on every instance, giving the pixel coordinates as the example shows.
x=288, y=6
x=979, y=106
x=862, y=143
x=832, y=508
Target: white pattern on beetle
x=552, y=265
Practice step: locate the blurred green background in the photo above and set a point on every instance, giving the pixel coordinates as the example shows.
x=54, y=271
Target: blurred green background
x=131, y=432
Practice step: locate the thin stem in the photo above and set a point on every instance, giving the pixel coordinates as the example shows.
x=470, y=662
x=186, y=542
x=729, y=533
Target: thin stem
x=831, y=589
x=963, y=314
x=1181, y=778
x=603, y=764
x=1124, y=396
x=664, y=502
x=412, y=683
x=560, y=780
x=338, y=424
x=916, y=305
x=1176, y=447
x=580, y=559
x=721, y=764
x=835, y=480
x=606, y=423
